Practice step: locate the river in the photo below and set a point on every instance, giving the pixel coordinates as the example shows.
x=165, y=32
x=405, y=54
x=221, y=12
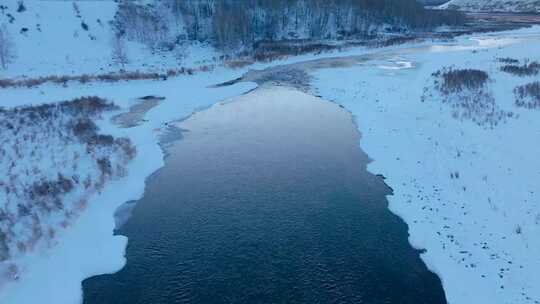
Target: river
x=266, y=199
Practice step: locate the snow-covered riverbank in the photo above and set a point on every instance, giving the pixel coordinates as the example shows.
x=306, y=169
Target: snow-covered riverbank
x=468, y=193
x=87, y=247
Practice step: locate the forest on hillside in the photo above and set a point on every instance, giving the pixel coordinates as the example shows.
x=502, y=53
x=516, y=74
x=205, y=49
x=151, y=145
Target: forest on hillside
x=230, y=24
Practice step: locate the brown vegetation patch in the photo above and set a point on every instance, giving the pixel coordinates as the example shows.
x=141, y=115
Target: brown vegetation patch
x=528, y=96
x=53, y=159
x=526, y=69
x=468, y=94
x=108, y=77
x=457, y=80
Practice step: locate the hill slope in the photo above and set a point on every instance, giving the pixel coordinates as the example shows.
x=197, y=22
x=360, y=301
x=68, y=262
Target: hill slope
x=48, y=35
x=75, y=37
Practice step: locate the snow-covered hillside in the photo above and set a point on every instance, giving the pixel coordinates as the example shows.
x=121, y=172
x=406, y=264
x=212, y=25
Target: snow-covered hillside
x=86, y=37
x=494, y=5
x=76, y=37
x=48, y=35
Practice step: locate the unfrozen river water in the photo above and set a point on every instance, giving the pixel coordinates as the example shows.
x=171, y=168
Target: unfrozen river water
x=266, y=199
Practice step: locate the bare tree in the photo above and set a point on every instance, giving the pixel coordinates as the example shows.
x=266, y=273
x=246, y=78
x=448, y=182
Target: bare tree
x=119, y=53
x=7, y=47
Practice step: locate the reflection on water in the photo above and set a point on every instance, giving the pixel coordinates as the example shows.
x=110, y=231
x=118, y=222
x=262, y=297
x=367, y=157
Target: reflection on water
x=267, y=200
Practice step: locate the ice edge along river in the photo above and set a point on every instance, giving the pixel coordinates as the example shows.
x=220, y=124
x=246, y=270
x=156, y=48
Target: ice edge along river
x=88, y=249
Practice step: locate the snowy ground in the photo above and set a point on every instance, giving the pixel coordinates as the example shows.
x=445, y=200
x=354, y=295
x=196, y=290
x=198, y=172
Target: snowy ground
x=66, y=30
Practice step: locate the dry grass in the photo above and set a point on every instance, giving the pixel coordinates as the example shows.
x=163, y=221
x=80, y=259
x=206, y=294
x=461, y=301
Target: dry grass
x=528, y=96
x=458, y=80
x=266, y=51
x=526, y=69
x=53, y=159
x=468, y=94
x=508, y=60
x=108, y=77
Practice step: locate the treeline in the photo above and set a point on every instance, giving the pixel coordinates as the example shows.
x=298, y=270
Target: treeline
x=229, y=24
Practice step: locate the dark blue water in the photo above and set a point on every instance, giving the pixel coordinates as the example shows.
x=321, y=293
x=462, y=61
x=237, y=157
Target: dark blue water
x=266, y=200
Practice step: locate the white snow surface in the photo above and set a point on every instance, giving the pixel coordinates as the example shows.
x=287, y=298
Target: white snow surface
x=55, y=42
x=480, y=229
x=494, y=5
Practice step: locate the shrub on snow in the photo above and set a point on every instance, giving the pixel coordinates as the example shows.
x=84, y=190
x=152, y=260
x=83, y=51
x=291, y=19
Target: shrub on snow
x=54, y=160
